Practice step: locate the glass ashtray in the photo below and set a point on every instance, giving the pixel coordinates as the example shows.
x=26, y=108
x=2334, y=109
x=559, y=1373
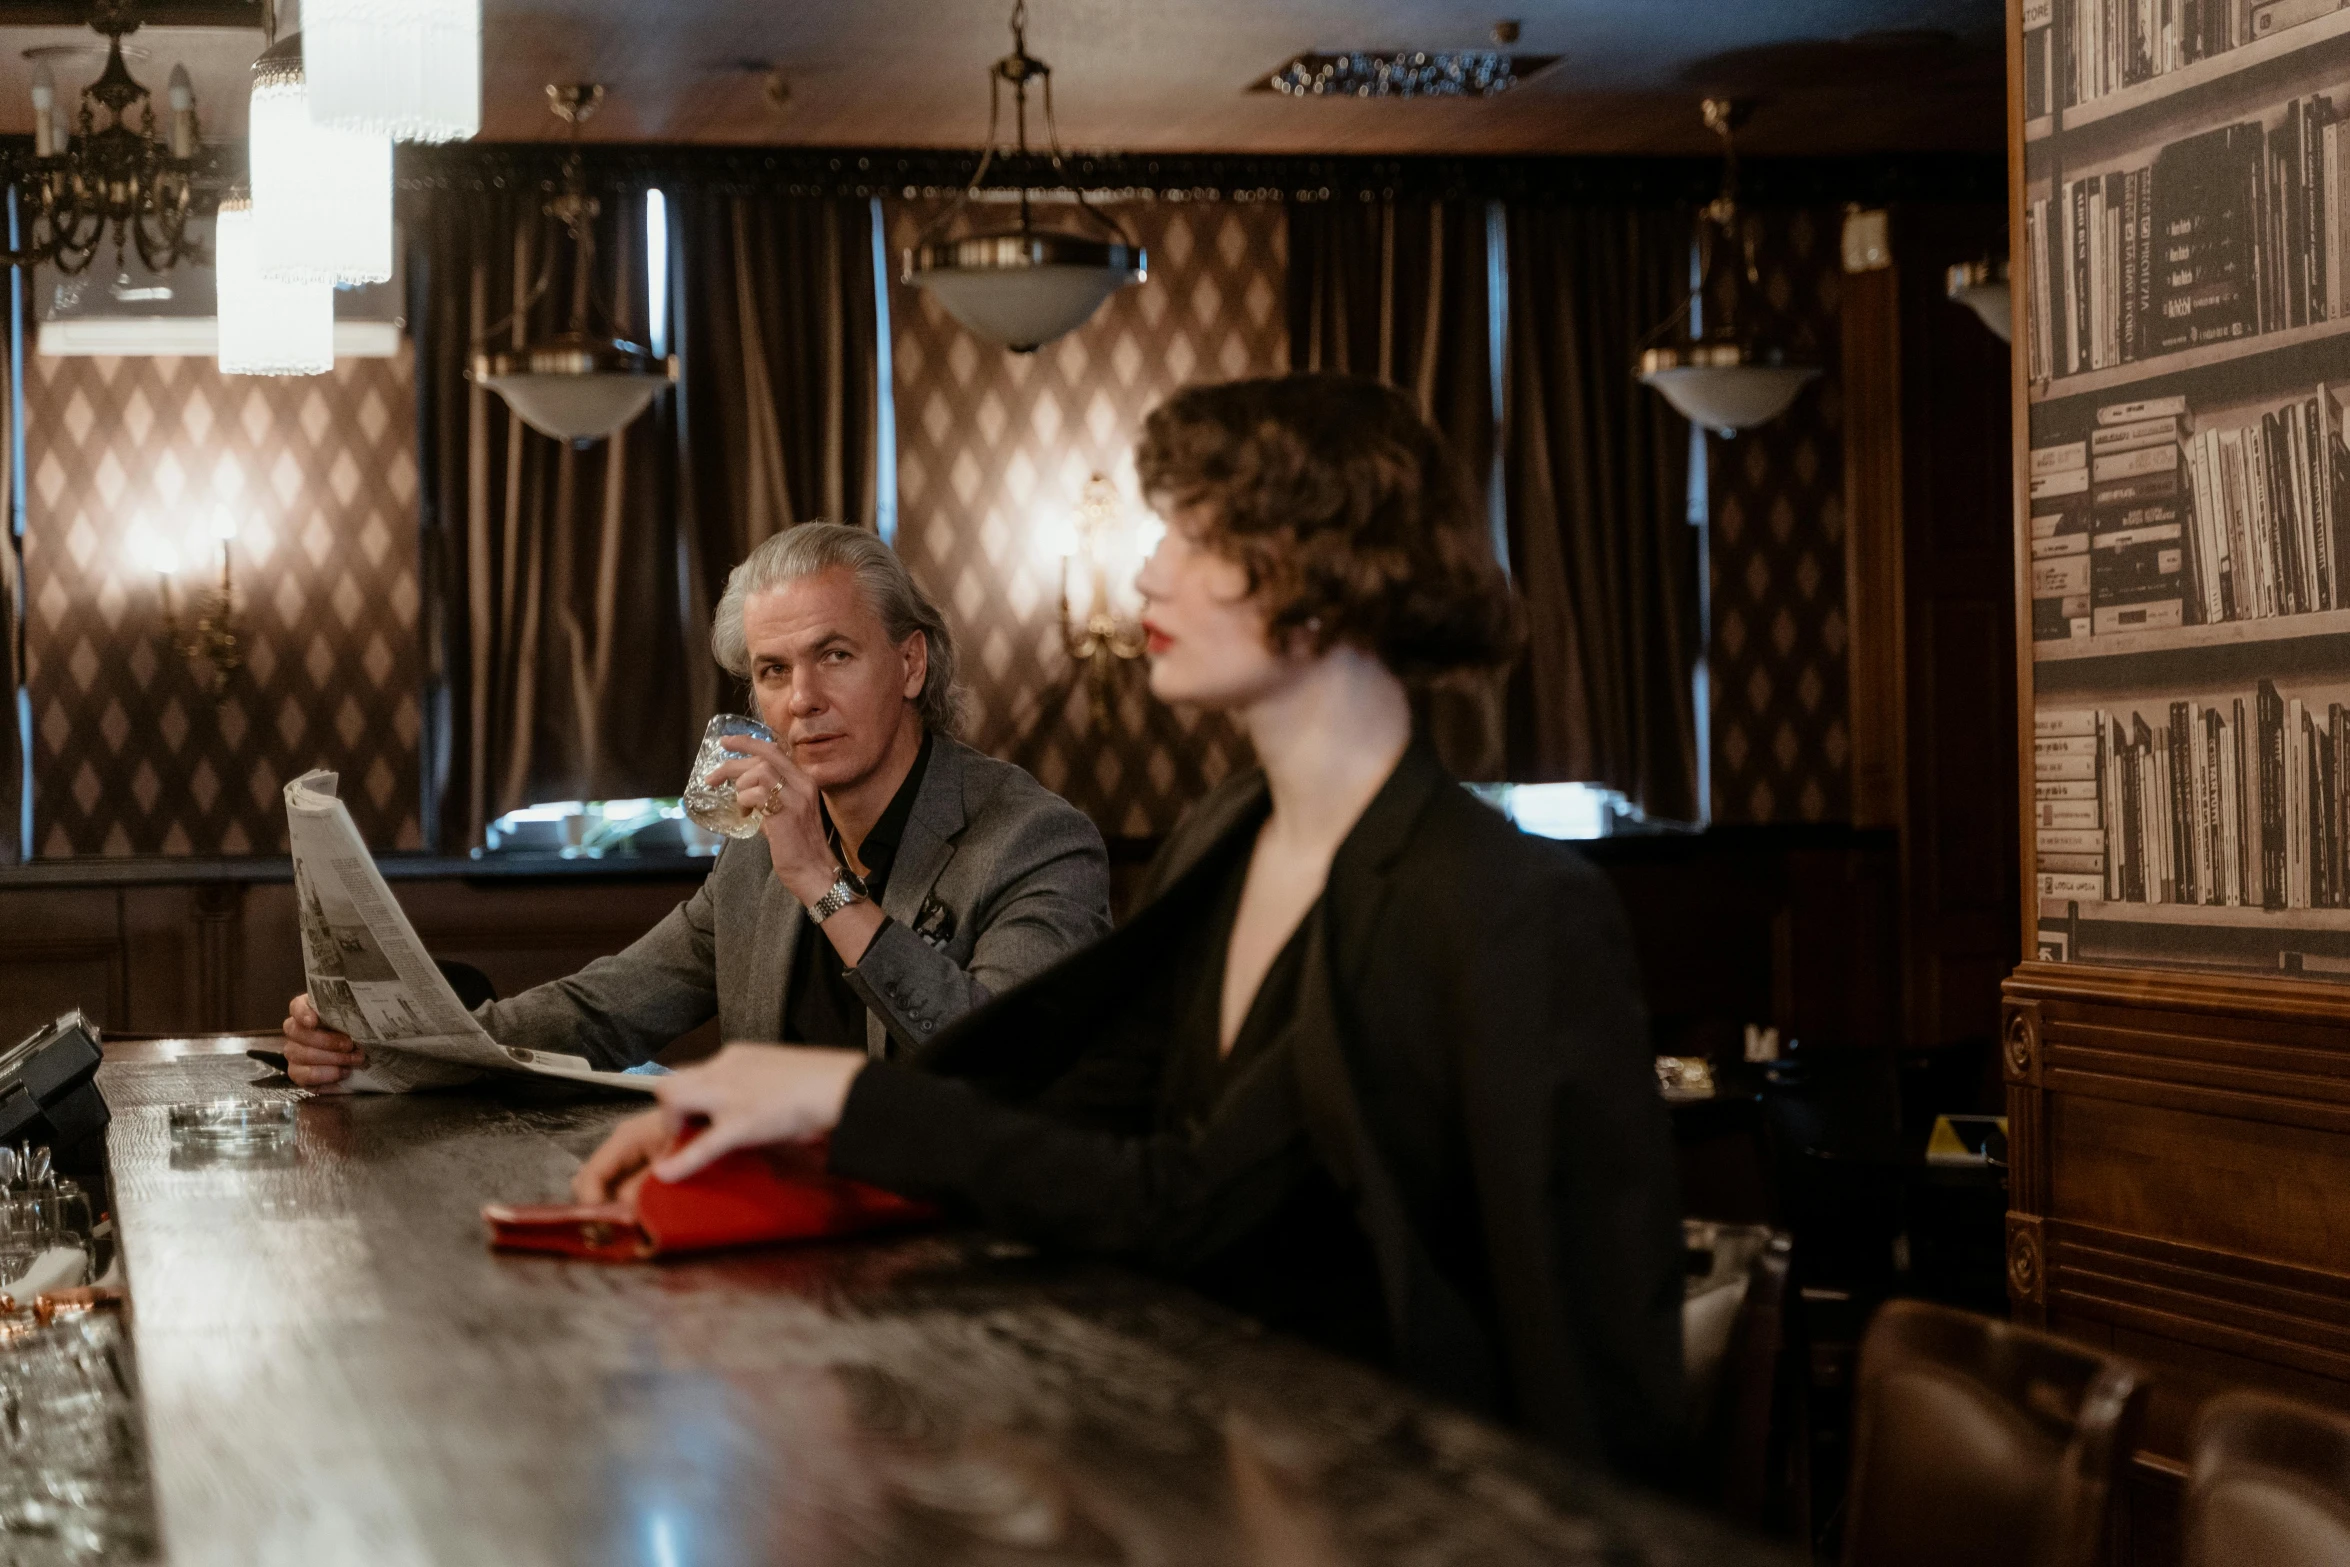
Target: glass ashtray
x=234, y=1125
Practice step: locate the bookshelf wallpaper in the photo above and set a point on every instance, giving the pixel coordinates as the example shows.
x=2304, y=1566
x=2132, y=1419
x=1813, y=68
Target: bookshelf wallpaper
x=132, y=755
x=2188, y=343
x=994, y=452
x=1781, y=743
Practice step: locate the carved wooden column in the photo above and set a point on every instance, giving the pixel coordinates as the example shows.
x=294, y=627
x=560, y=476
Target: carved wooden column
x=1874, y=571
x=2027, y=1165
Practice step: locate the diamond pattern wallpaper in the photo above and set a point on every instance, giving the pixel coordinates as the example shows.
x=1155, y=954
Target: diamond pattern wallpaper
x=1781, y=742
x=994, y=452
x=132, y=753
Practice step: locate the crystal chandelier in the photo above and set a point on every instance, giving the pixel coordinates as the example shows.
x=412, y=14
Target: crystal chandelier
x=585, y=382
x=94, y=185
x=322, y=198
x=1022, y=286
x=1404, y=73
x=1723, y=379
x=266, y=327
x=407, y=69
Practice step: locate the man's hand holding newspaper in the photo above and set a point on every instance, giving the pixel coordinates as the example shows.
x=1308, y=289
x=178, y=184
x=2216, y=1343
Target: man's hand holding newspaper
x=370, y=978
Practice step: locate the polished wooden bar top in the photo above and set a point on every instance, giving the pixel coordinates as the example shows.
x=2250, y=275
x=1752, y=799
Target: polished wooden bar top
x=335, y=1368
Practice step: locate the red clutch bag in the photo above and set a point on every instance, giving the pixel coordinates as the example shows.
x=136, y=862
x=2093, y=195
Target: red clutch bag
x=747, y=1198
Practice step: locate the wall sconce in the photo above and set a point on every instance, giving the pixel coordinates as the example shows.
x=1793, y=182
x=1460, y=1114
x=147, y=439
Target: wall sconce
x=216, y=637
x=1103, y=547
x=1093, y=549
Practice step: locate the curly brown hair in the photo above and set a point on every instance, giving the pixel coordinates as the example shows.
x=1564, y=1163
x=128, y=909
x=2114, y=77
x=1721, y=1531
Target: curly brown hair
x=1351, y=517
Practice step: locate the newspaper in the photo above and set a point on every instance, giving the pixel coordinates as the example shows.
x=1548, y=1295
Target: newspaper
x=371, y=978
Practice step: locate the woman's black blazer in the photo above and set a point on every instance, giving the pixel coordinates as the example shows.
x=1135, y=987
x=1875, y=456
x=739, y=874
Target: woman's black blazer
x=1469, y=1060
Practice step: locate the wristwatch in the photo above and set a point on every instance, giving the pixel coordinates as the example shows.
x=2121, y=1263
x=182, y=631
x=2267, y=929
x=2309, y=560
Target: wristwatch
x=845, y=890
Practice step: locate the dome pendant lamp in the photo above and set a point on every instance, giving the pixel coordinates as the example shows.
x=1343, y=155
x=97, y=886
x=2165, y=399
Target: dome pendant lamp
x=1722, y=378
x=586, y=382
x=1023, y=286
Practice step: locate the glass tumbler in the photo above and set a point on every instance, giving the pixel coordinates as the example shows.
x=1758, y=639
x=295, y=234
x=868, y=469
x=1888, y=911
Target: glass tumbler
x=713, y=806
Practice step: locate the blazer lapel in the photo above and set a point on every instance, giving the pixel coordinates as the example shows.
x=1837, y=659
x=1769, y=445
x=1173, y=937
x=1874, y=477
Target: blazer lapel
x=1358, y=884
x=937, y=819
x=1439, y=1342
x=1029, y=1035
x=1234, y=806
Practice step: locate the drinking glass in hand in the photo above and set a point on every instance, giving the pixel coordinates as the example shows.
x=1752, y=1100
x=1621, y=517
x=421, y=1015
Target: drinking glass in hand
x=713, y=806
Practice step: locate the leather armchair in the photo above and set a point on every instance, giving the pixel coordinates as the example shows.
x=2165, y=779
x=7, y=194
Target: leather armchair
x=1977, y=1443
x=2269, y=1484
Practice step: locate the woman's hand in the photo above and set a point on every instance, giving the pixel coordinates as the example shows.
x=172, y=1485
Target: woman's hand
x=316, y=1055
x=753, y=1095
x=615, y=1170
x=766, y=780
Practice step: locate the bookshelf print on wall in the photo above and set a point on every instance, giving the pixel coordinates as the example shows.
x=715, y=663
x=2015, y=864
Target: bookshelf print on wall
x=2186, y=301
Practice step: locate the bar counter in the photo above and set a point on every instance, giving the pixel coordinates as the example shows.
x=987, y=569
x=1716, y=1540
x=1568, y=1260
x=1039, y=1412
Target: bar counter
x=333, y=1367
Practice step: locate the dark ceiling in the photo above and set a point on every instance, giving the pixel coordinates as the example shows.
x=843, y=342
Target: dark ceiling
x=1828, y=76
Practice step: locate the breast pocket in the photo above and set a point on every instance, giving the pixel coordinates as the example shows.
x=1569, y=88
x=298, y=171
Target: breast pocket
x=935, y=923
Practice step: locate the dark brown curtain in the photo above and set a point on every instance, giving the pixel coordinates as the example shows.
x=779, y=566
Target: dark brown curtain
x=555, y=640
x=16, y=845
x=569, y=591
x=776, y=330
x=1596, y=471
x=1398, y=291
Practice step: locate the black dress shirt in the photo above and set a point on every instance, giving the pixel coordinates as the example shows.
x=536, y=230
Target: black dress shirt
x=822, y=1008
x=1305, y=1266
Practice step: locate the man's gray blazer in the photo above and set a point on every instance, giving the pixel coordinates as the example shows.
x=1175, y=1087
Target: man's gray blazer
x=1015, y=876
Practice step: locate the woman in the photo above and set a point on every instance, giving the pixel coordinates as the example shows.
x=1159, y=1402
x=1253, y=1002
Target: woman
x=1368, y=1064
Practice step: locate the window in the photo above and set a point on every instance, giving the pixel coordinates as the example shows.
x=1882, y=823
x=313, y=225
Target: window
x=598, y=829
x=1561, y=810
x=1700, y=514
x=885, y=410
x=657, y=271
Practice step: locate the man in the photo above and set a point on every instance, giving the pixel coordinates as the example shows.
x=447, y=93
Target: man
x=898, y=880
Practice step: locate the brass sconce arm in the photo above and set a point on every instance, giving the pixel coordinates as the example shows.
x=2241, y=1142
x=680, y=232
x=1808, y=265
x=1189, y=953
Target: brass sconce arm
x=217, y=637
x=1100, y=639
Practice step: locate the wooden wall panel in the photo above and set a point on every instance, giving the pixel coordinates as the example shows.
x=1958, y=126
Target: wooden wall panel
x=2234, y=1186
x=526, y=935
x=269, y=955
x=1873, y=555
x=1928, y=557
x=1790, y=927
x=2181, y=1148
x=207, y=956
x=58, y=950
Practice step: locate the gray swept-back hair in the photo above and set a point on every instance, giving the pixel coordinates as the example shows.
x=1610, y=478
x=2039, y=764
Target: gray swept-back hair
x=903, y=608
